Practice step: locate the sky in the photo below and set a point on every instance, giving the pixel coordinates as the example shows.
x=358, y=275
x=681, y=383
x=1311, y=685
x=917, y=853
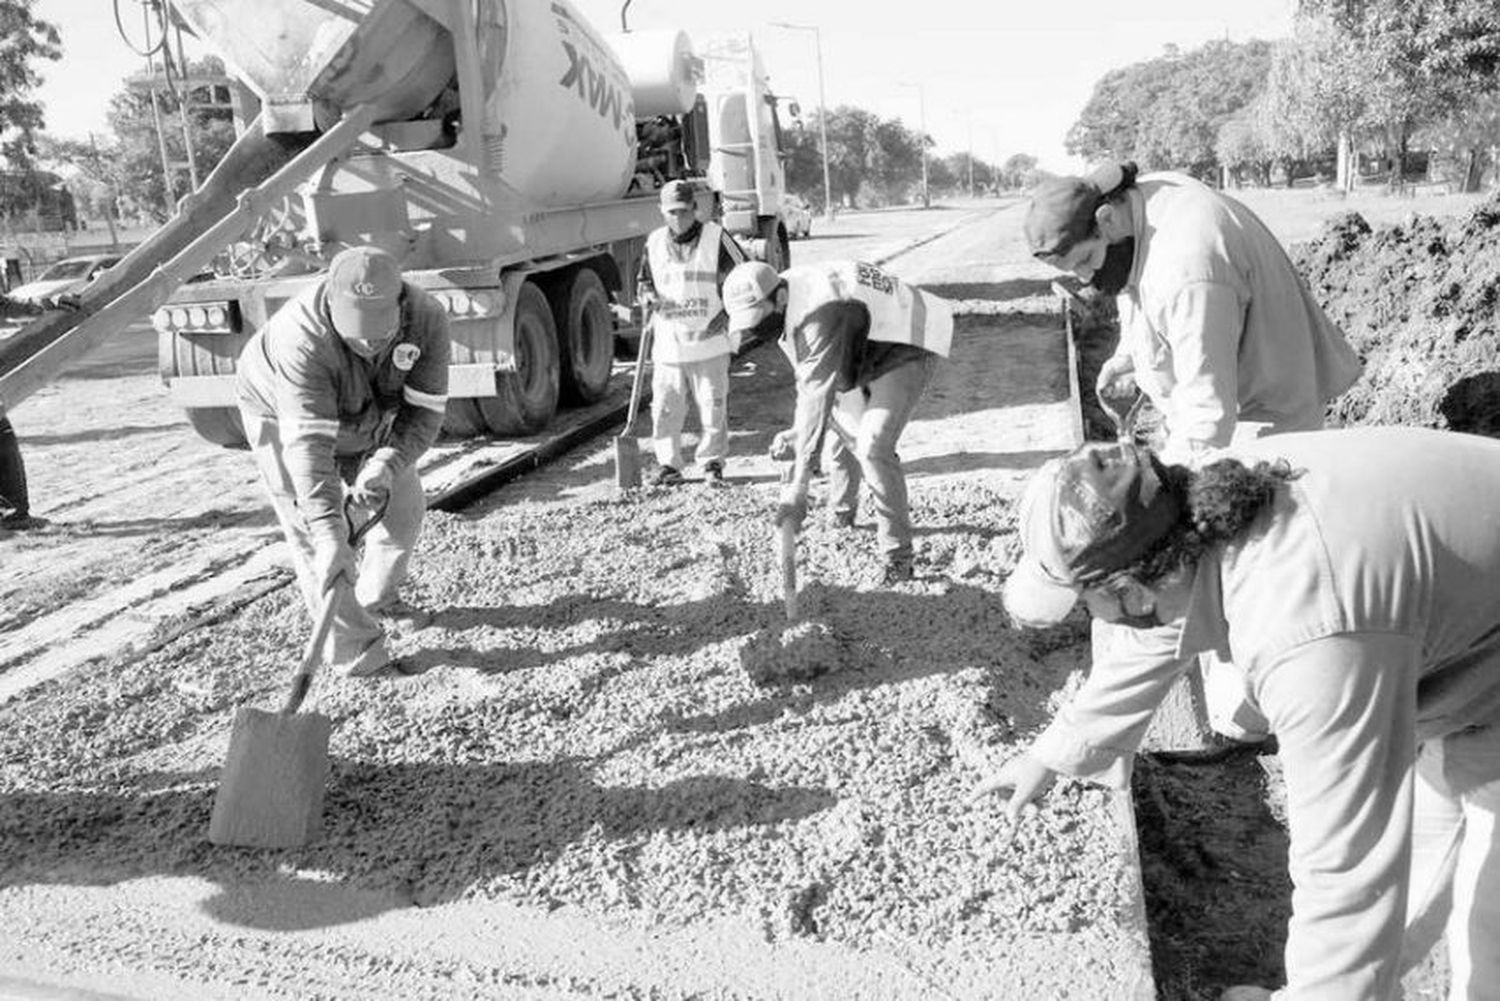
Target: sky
x=995, y=76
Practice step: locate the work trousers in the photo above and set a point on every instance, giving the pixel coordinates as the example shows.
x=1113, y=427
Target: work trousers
x=866, y=423
x=707, y=382
x=356, y=640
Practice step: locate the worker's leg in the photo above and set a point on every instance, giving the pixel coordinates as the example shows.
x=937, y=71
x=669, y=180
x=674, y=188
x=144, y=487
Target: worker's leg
x=13, y=493
x=356, y=642
x=892, y=399
x=1470, y=767
x=711, y=393
x=844, y=469
x=668, y=411
x=1437, y=828
x=388, y=546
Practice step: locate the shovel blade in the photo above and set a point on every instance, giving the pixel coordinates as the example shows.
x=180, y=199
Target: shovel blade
x=271, y=791
x=627, y=462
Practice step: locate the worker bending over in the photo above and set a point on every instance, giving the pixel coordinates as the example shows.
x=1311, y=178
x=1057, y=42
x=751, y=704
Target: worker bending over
x=1353, y=578
x=1216, y=328
x=681, y=278
x=863, y=346
x=347, y=384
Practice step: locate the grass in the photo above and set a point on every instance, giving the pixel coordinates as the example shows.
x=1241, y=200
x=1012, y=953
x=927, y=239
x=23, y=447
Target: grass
x=1298, y=214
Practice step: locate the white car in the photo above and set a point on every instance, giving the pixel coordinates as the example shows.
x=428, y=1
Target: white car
x=68, y=275
x=797, y=216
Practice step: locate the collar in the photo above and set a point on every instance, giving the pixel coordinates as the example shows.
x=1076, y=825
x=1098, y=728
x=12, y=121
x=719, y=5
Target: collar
x=692, y=233
x=1203, y=625
x=1138, y=230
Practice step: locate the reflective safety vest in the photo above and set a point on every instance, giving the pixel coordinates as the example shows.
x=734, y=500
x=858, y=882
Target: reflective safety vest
x=687, y=298
x=899, y=314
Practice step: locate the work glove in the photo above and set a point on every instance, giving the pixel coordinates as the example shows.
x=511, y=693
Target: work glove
x=783, y=446
x=1116, y=386
x=792, y=507
x=332, y=558
x=1027, y=779
x=372, y=487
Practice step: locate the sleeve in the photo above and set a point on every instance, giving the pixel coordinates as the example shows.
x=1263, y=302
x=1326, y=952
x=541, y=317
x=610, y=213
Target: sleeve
x=1095, y=736
x=1203, y=326
x=816, y=348
x=1344, y=710
x=644, y=283
x=424, y=397
x=306, y=399
x=730, y=255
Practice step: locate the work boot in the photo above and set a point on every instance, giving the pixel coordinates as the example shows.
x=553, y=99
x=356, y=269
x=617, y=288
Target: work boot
x=667, y=476
x=401, y=616
x=713, y=472
x=19, y=521
x=372, y=660
x=898, y=570
x=841, y=520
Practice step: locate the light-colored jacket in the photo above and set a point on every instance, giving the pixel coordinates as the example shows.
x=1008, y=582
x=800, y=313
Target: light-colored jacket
x=1380, y=538
x=686, y=278
x=1220, y=327
x=899, y=314
x=328, y=401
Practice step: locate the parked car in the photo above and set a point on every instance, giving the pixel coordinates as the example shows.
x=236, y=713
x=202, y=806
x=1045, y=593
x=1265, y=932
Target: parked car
x=798, y=217
x=68, y=275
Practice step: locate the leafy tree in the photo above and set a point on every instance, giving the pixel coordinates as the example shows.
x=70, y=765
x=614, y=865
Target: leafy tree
x=23, y=40
x=804, y=162
x=1019, y=171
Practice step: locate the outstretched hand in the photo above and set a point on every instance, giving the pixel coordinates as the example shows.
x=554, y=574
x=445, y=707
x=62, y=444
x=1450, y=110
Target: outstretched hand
x=1026, y=778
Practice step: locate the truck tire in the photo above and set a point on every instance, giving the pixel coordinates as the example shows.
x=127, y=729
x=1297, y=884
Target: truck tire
x=526, y=399
x=775, y=248
x=585, y=336
x=218, y=426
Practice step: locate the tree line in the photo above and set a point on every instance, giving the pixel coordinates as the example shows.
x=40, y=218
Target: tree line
x=1378, y=79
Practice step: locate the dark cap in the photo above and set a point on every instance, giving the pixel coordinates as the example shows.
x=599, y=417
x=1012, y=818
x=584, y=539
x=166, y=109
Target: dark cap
x=1083, y=518
x=1062, y=208
x=678, y=194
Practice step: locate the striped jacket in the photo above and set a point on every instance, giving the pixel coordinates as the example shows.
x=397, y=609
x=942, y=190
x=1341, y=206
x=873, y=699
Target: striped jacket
x=330, y=402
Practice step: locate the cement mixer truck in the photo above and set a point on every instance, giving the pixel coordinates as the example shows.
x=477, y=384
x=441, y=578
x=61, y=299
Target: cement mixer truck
x=507, y=152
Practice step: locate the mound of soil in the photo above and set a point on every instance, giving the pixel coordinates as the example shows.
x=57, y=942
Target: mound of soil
x=1418, y=301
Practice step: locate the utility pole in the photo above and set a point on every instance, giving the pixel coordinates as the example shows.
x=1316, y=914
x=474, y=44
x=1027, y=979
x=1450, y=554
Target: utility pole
x=971, y=156
x=161, y=139
x=114, y=197
x=828, y=209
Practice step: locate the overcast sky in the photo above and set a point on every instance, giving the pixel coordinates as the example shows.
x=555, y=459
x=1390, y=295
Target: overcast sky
x=1005, y=76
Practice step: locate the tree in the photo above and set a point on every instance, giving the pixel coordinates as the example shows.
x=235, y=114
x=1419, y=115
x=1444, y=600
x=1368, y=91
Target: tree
x=1313, y=101
x=23, y=40
x=804, y=162
x=1241, y=149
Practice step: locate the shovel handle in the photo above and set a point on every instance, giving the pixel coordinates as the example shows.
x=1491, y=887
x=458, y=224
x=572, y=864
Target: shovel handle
x=789, y=569
x=642, y=350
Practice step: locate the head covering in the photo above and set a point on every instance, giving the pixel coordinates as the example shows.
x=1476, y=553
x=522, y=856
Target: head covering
x=364, y=294
x=1062, y=208
x=1082, y=518
x=748, y=292
x=678, y=194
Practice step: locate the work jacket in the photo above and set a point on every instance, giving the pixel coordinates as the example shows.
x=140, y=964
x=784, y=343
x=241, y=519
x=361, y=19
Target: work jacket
x=329, y=402
x=847, y=324
x=687, y=321
x=1379, y=537
x=1219, y=326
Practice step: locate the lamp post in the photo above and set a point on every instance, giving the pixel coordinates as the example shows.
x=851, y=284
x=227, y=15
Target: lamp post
x=922, y=139
x=822, y=110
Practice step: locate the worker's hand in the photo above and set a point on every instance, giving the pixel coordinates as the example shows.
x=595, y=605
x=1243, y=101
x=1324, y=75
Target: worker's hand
x=1027, y=779
x=783, y=446
x=372, y=487
x=1116, y=383
x=792, y=507
x=1246, y=993
x=332, y=558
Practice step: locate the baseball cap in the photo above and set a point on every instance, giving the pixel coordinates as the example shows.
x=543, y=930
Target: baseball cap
x=364, y=294
x=1062, y=209
x=1082, y=518
x=678, y=194
x=748, y=292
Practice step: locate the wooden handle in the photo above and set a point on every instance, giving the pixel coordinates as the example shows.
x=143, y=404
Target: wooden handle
x=302, y=680
x=789, y=569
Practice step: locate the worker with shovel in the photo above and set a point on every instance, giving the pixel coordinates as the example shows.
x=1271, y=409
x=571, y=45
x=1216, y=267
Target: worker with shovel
x=863, y=346
x=1352, y=576
x=1216, y=328
x=681, y=275
x=342, y=391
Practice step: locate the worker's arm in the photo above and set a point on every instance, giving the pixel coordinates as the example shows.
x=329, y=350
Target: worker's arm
x=730, y=256
x=424, y=397
x=1203, y=326
x=1343, y=709
x=306, y=401
x=645, y=285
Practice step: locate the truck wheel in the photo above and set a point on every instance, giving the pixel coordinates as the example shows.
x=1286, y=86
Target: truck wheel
x=775, y=247
x=526, y=399
x=218, y=426
x=585, y=336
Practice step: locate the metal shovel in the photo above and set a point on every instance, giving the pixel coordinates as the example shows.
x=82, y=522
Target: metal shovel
x=627, y=446
x=1124, y=421
x=271, y=789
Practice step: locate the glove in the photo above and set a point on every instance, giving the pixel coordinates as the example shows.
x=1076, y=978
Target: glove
x=332, y=558
x=783, y=446
x=373, y=485
x=1116, y=382
x=791, y=507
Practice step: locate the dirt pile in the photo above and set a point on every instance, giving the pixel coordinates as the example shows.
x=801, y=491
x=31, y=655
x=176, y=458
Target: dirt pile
x=1419, y=302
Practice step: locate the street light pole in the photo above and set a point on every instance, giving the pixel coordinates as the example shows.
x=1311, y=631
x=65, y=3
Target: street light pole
x=822, y=111
x=922, y=138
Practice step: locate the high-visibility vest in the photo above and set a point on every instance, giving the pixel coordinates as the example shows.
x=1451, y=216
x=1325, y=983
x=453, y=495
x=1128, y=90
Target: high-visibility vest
x=899, y=314
x=687, y=298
